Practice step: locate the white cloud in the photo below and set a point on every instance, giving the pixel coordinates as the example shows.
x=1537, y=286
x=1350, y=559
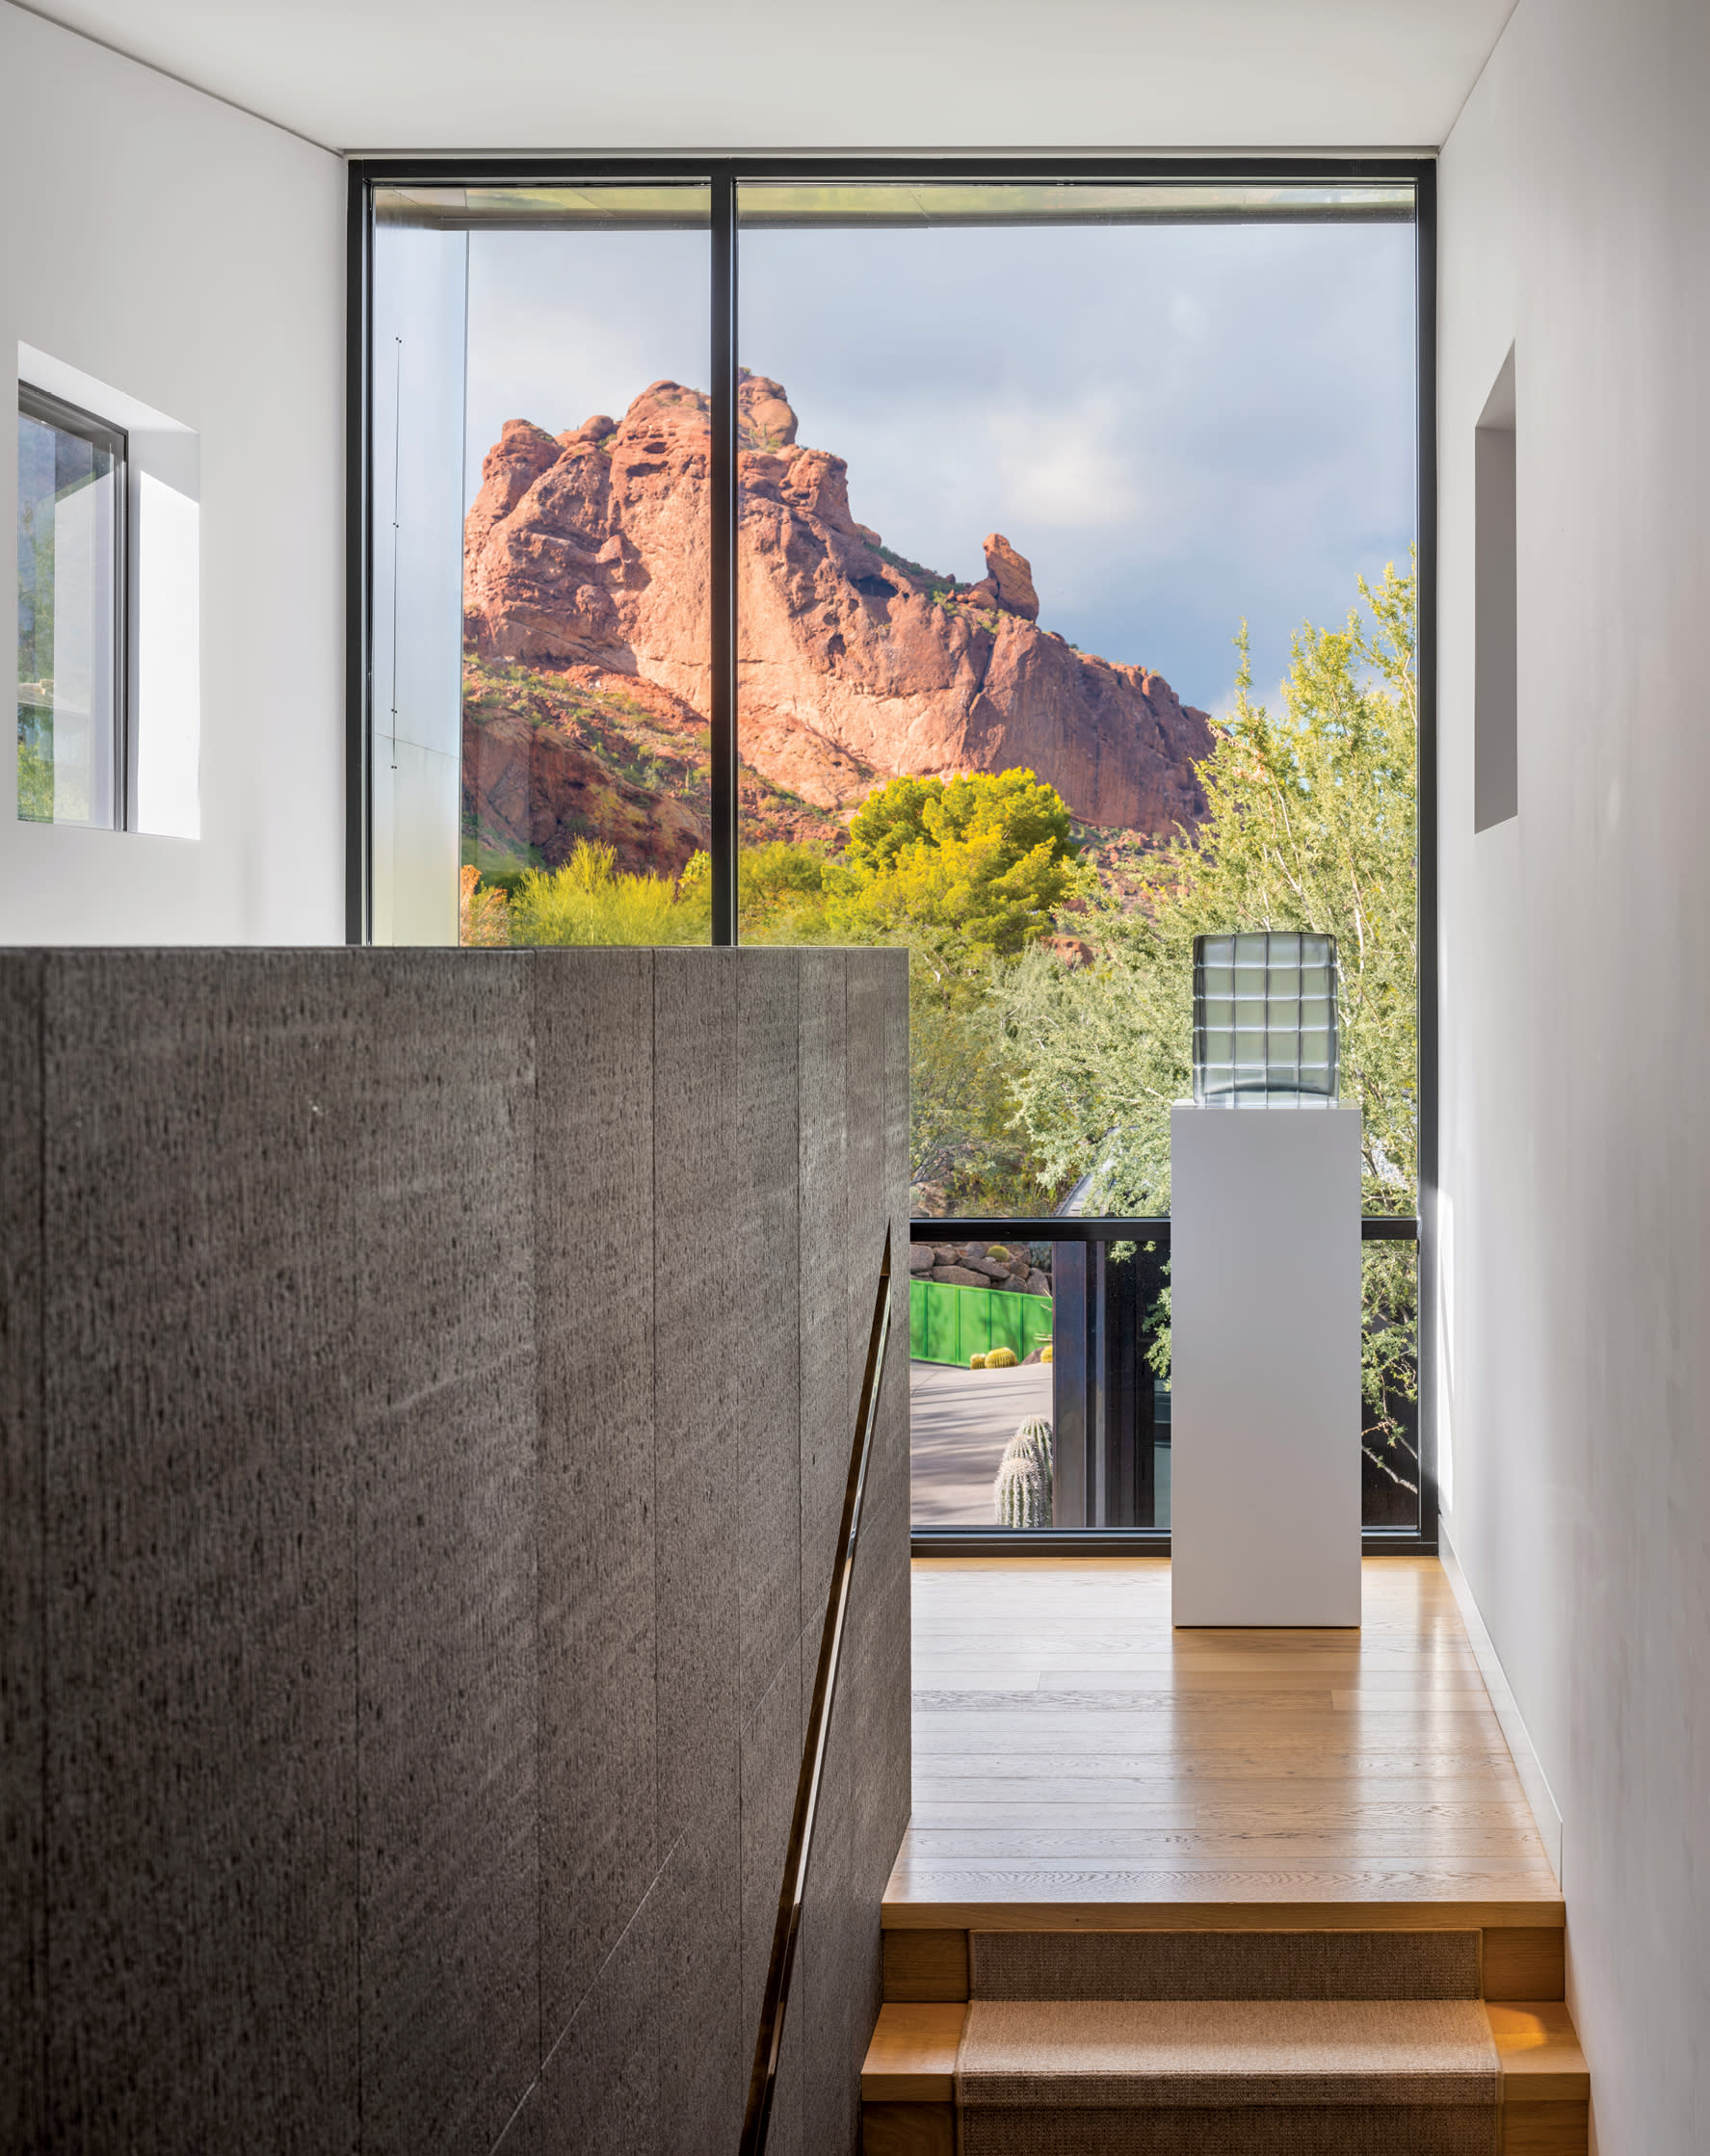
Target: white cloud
x=1056, y=469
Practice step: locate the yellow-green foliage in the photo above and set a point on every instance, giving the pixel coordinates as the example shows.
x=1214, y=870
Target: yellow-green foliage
x=982, y=861
x=779, y=885
x=695, y=885
x=482, y=916
x=976, y=866
x=976, y=1362
x=1001, y=1358
x=588, y=901
x=963, y=875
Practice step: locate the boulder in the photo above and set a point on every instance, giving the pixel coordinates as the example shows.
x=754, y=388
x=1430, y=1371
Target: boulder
x=920, y=1257
x=1038, y=1283
x=1070, y=950
x=1012, y=577
x=959, y=1277
x=765, y=416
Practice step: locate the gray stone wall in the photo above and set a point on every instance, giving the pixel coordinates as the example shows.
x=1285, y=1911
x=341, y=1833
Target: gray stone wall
x=412, y=1551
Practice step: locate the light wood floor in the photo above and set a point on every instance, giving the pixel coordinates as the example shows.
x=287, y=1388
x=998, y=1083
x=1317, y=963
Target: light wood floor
x=1077, y=1762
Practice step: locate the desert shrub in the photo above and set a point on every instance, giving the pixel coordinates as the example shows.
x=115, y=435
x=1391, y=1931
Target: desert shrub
x=588, y=901
x=484, y=917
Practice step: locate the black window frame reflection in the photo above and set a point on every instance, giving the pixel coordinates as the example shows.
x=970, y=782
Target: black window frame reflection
x=67, y=418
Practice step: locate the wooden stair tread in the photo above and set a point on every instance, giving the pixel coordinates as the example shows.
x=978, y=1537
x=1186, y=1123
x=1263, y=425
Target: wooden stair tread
x=1518, y=1907
x=1539, y=2053
x=911, y=2057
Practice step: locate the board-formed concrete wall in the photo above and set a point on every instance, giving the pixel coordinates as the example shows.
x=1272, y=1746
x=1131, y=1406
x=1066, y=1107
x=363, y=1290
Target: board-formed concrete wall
x=426, y=1386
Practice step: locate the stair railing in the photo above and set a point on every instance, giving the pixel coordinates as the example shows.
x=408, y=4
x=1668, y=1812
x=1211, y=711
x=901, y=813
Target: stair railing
x=787, y=1930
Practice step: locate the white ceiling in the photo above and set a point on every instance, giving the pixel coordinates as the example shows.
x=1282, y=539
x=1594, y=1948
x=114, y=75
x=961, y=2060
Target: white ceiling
x=705, y=74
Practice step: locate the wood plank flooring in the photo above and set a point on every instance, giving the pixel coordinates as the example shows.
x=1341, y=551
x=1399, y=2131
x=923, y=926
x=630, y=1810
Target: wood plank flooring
x=1077, y=1762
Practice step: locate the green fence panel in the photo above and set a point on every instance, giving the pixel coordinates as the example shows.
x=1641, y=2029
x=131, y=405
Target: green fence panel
x=949, y=1324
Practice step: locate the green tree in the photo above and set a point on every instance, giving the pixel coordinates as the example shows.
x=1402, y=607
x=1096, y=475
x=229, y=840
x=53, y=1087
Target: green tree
x=1310, y=823
x=964, y=874
x=780, y=888
x=978, y=865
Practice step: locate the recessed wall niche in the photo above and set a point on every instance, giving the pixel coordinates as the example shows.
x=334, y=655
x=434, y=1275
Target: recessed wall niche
x=1496, y=763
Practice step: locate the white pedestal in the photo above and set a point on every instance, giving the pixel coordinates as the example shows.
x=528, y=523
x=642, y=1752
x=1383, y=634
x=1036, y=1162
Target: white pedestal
x=1264, y=1475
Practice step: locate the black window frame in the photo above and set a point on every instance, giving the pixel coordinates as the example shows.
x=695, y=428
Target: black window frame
x=723, y=174
x=51, y=410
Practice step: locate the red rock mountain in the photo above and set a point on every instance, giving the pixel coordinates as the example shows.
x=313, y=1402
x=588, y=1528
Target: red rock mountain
x=590, y=550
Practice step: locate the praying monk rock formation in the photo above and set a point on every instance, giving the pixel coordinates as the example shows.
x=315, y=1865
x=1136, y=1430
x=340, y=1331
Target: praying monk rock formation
x=590, y=549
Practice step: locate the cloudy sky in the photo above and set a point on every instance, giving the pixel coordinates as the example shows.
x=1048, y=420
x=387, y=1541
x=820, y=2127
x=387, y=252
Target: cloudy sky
x=1177, y=425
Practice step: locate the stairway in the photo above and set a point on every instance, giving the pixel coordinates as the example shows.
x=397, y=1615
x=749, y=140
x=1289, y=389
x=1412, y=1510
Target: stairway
x=1269, y=2042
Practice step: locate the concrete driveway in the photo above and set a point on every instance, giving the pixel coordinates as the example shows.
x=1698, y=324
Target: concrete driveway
x=962, y=1419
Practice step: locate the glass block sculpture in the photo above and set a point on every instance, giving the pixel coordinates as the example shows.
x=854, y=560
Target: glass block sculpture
x=1264, y=1020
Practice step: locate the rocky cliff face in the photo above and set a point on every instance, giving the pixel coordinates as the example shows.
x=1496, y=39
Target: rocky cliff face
x=589, y=549
x=551, y=755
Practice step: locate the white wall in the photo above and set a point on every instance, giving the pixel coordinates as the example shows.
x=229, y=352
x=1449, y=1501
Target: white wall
x=193, y=258
x=1576, y=998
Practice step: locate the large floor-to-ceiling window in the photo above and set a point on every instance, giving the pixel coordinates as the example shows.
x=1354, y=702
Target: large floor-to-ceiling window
x=1019, y=567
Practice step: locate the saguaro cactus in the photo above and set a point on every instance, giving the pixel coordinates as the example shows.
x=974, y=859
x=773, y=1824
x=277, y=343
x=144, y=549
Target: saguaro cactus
x=1021, y=1495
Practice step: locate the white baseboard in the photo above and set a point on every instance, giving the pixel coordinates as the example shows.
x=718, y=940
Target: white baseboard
x=1534, y=1781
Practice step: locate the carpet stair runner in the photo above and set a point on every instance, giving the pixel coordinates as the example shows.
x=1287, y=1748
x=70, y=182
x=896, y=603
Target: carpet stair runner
x=1217, y=2043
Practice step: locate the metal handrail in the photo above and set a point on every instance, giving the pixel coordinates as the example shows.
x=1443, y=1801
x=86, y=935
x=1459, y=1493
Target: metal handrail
x=787, y=1930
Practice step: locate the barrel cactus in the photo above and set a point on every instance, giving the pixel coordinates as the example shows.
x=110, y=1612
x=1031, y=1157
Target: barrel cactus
x=1000, y=1358
x=976, y=1362
x=1021, y=1495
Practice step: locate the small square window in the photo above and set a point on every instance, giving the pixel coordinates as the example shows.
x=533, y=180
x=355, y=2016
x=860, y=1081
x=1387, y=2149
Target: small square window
x=71, y=615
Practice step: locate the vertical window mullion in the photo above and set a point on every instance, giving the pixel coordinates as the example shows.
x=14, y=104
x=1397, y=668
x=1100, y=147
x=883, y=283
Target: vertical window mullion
x=722, y=592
